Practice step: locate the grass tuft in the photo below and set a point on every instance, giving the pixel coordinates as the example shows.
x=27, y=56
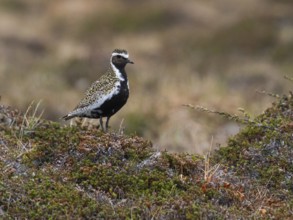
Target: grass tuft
x=31, y=118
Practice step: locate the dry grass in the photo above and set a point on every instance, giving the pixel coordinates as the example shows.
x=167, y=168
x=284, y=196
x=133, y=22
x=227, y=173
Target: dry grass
x=30, y=121
x=31, y=118
x=204, y=53
x=209, y=171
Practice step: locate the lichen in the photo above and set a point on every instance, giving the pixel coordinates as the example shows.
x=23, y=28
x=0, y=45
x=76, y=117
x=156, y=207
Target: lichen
x=64, y=172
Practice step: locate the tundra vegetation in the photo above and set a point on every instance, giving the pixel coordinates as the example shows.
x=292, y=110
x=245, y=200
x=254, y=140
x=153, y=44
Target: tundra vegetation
x=49, y=170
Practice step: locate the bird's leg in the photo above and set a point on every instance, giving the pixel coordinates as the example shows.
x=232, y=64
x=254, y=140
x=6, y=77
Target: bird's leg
x=101, y=123
x=107, y=123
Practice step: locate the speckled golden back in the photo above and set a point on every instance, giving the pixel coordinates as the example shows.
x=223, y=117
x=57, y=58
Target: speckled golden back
x=101, y=87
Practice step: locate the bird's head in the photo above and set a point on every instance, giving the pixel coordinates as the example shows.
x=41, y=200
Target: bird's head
x=120, y=58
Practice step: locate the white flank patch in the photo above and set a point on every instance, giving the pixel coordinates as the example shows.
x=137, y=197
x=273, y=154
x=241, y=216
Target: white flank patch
x=106, y=97
x=117, y=72
x=98, y=103
x=125, y=55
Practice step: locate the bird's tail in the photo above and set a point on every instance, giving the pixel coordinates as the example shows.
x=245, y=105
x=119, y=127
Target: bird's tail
x=67, y=117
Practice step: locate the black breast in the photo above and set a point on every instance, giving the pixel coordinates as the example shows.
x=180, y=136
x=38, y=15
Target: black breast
x=114, y=104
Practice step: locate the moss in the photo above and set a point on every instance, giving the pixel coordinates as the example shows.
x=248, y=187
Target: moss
x=40, y=197
x=262, y=149
x=54, y=171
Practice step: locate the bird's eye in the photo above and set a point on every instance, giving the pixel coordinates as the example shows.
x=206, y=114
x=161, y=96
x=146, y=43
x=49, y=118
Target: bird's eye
x=118, y=56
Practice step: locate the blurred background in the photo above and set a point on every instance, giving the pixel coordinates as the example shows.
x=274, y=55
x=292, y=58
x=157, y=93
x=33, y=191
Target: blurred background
x=210, y=53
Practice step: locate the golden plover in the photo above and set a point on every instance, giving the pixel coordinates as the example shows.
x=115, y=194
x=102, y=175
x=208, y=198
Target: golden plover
x=107, y=95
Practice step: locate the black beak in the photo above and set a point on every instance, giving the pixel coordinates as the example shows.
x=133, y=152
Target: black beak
x=129, y=61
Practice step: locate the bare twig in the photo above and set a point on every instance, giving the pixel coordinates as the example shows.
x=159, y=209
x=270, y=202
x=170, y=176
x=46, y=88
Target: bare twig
x=235, y=118
x=268, y=93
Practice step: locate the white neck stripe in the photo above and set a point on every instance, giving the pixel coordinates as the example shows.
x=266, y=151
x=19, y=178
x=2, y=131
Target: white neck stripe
x=125, y=55
x=117, y=72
